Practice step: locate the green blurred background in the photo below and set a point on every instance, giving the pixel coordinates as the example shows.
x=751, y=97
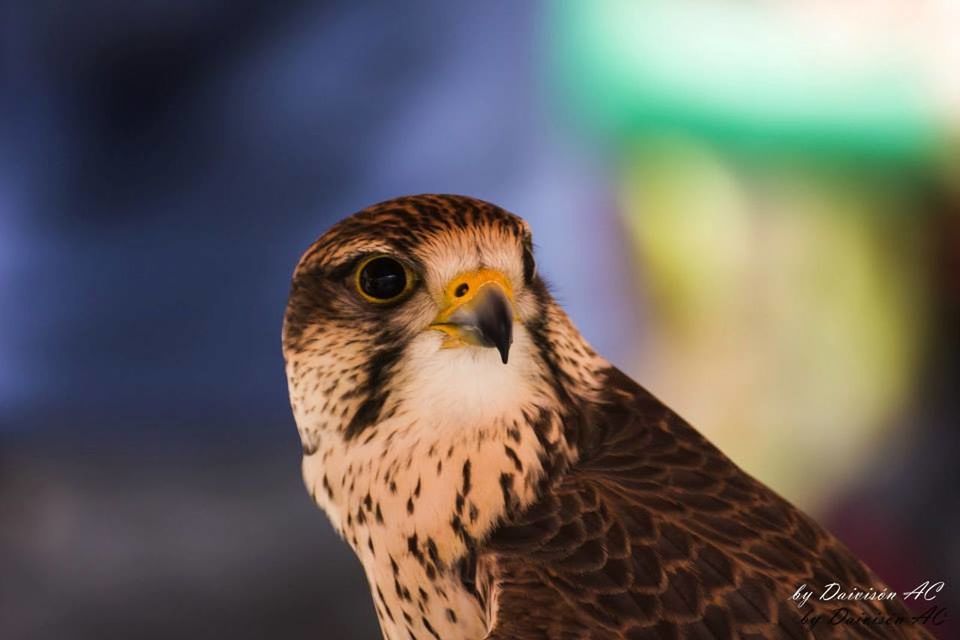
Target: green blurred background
x=752, y=208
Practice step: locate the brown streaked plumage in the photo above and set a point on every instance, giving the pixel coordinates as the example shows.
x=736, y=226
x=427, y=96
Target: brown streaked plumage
x=499, y=479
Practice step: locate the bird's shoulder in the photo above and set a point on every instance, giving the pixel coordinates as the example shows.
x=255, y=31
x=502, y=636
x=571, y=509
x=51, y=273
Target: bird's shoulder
x=655, y=533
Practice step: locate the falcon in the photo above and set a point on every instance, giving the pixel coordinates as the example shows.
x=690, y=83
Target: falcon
x=497, y=478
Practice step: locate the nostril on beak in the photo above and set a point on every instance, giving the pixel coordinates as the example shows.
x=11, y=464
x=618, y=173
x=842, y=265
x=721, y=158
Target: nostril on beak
x=462, y=290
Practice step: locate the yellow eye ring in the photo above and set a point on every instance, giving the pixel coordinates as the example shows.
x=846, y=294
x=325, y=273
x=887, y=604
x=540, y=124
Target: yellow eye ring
x=381, y=279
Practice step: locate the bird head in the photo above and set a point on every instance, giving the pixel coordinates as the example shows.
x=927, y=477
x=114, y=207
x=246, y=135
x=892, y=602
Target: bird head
x=424, y=303
x=453, y=269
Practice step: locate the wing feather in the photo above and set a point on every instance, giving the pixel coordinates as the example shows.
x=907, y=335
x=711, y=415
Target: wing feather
x=656, y=534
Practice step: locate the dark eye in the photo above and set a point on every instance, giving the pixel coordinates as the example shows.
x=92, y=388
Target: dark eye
x=382, y=279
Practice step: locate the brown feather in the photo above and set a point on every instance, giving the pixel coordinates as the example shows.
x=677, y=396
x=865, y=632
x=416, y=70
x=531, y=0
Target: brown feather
x=654, y=533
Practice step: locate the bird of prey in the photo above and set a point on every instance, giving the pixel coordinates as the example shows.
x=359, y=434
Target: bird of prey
x=497, y=478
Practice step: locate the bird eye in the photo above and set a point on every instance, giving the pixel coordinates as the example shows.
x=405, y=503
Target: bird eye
x=382, y=279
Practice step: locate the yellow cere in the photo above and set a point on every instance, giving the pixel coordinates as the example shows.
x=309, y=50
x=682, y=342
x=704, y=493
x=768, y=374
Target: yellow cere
x=468, y=285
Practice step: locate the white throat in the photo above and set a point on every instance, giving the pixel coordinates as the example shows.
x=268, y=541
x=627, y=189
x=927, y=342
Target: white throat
x=410, y=494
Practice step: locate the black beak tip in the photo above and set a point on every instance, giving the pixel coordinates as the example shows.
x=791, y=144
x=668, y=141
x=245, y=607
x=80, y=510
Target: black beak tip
x=495, y=322
x=504, y=337
x=504, y=349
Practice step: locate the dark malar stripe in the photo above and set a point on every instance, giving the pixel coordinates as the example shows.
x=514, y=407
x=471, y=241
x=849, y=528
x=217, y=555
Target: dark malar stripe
x=375, y=388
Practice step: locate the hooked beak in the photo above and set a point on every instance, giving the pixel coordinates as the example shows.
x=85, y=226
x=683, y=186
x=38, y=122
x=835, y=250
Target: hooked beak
x=477, y=310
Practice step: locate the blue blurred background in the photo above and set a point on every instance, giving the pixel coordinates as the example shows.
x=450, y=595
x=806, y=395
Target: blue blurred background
x=753, y=208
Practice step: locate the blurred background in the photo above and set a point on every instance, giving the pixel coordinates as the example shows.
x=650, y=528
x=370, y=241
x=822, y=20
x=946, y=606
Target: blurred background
x=753, y=208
